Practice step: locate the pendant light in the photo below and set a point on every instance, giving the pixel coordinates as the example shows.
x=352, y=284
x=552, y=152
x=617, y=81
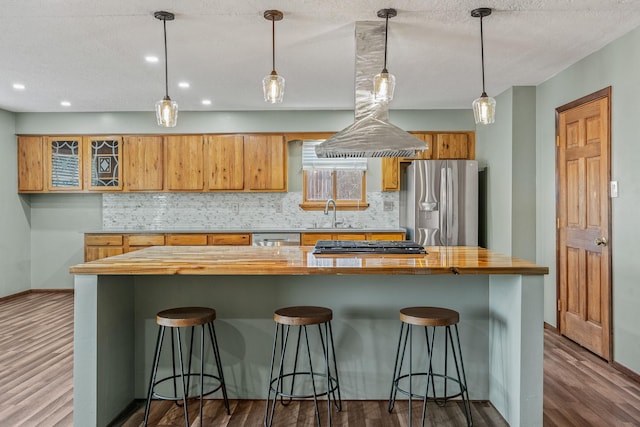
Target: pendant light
x=273, y=84
x=484, y=108
x=384, y=83
x=166, y=109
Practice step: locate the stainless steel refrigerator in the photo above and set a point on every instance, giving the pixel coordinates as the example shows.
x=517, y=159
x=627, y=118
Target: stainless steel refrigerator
x=439, y=202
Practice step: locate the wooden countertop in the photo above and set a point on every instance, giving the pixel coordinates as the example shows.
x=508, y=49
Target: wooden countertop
x=299, y=260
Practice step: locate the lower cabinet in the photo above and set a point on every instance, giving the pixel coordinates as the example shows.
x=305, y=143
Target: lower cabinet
x=134, y=242
x=97, y=246
x=310, y=239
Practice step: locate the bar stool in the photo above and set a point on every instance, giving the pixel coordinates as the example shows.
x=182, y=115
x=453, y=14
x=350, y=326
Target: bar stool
x=302, y=316
x=433, y=317
x=175, y=319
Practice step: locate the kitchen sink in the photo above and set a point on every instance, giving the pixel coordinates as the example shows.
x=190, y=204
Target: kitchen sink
x=329, y=227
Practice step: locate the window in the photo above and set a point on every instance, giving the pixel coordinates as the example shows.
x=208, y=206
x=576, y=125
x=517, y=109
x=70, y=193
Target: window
x=343, y=180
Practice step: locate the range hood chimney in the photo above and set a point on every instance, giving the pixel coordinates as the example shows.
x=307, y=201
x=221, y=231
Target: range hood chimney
x=371, y=134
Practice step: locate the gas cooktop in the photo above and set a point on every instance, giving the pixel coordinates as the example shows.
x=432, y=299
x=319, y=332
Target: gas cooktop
x=368, y=247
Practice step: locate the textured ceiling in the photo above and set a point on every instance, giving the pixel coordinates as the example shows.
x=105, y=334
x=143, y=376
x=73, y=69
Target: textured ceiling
x=91, y=53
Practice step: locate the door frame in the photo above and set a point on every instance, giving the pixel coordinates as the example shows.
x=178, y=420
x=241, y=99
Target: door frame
x=602, y=93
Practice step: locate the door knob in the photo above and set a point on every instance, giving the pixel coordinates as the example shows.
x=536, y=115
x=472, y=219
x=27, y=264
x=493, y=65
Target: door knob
x=601, y=241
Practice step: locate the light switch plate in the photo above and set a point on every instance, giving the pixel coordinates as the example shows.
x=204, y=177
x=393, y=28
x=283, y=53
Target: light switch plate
x=613, y=190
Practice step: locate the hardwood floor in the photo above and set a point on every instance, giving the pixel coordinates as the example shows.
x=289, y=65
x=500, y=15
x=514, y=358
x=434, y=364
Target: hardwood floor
x=36, y=360
x=36, y=363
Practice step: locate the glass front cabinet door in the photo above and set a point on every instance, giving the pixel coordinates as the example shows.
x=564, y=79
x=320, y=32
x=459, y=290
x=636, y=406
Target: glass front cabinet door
x=78, y=163
x=103, y=171
x=65, y=163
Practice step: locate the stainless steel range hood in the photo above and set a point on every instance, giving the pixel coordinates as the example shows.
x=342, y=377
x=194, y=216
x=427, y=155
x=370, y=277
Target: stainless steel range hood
x=371, y=134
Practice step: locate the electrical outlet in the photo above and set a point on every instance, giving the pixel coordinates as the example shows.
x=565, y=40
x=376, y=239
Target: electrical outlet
x=278, y=207
x=235, y=208
x=387, y=206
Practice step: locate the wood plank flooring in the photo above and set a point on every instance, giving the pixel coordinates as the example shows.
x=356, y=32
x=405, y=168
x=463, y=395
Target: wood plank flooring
x=36, y=360
x=36, y=368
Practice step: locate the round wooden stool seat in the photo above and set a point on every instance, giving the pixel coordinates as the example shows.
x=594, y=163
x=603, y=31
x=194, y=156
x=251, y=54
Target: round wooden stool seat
x=302, y=315
x=185, y=316
x=429, y=316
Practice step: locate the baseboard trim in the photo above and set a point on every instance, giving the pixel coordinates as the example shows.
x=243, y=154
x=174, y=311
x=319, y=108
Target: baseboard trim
x=127, y=412
x=550, y=327
x=53, y=291
x=36, y=291
x=628, y=372
x=16, y=295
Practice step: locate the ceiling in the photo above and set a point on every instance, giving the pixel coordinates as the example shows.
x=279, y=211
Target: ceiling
x=91, y=53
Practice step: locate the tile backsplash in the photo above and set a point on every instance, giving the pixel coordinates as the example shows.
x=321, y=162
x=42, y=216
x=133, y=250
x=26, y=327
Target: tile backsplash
x=197, y=211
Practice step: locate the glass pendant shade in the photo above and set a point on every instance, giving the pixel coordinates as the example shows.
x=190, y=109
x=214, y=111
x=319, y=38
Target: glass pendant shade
x=273, y=86
x=166, y=109
x=384, y=84
x=167, y=112
x=484, y=110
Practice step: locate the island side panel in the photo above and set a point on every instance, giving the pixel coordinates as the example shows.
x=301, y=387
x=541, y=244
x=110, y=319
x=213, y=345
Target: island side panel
x=516, y=349
x=103, y=348
x=365, y=323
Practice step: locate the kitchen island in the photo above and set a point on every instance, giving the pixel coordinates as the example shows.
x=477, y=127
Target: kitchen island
x=499, y=299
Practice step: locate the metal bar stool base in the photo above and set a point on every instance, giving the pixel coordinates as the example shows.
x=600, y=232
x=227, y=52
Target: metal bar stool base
x=403, y=381
x=175, y=319
x=288, y=383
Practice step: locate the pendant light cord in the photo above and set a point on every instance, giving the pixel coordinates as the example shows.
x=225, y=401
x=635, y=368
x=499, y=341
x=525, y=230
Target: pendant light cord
x=386, y=32
x=273, y=44
x=166, y=67
x=484, y=93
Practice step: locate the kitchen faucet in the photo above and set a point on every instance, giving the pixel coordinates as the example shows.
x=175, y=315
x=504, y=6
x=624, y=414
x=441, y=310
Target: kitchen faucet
x=334, y=223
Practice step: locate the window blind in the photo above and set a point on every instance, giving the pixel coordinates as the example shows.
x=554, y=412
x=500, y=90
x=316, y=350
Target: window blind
x=310, y=161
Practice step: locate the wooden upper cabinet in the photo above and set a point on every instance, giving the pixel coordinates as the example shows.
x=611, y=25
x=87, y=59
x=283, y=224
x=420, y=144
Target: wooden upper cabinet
x=225, y=162
x=390, y=174
x=30, y=164
x=453, y=146
x=103, y=171
x=64, y=163
x=184, y=163
x=143, y=164
x=265, y=163
x=428, y=153
x=456, y=145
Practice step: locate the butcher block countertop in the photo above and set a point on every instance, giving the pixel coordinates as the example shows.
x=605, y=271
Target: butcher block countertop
x=299, y=260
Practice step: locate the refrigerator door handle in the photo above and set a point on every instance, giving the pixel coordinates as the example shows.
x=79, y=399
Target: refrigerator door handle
x=443, y=206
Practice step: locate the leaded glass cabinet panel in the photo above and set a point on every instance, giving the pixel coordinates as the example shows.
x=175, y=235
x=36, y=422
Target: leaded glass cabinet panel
x=104, y=172
x=65, y=163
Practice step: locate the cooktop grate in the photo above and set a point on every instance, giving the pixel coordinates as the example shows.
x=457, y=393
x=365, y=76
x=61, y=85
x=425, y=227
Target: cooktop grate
x=368, y=247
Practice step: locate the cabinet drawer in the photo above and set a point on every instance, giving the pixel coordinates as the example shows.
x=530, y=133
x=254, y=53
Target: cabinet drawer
x=349, y=236
x=146, y=239
x=103, y=239
x=310, y=239
x=385, y=236
x=229, y=239
x=186, y=240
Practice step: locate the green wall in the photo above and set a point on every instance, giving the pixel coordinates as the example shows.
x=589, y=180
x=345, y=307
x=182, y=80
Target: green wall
x=14, y=215
x=616, y=65
x=507, y=150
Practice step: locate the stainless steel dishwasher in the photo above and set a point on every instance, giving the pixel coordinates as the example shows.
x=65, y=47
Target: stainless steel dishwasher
x=275, y=239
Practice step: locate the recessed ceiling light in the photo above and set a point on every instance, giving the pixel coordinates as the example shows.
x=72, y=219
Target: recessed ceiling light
x=65, y=103
x=18, y=86
x=184, y=85
x=152, y=59
x=206, y=102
